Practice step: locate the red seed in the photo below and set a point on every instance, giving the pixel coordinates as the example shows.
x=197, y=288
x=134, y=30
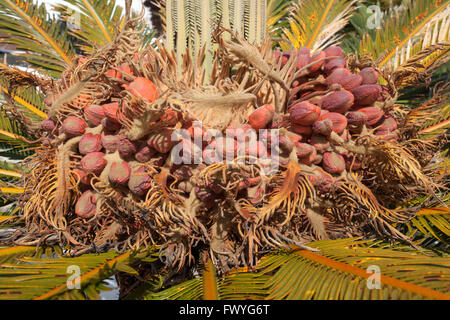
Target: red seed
x=249, y=182
x=387, y=136
x=83, y=177
x=366, y=94
x=110, y=125
x=304, y=113
x=339, y=121
x=111, y=110
x=351, y=82
x=322, y=181
x=286, y=144
x=333, y=51
x=384, y=92
x=323, y=127
x=373, y=114
x=127, y=148
x=279, y=55
x=86, y=206
x=110, y=143
x=184, y=172
x=303, y=60
x=145, y=154
x=89, y=143
x=389, y=124
x=303, y=155
x=73, y=126
x=303, y=149
x=318, y=159
x=256, y=150
x=94, y=114
x=304, y=131
x=125, y=67
x=293, y=137
x=333, y=64
x=188, y=151
x=351, y=163
x=94, y=162
x=47, y=125
x=226, y=148
x=145, y=88
x=369, y=75
x=171, y=117
x=204, y=195
x=139, y=181
x=119, y=173
x=317, y=56
x=333, y=162
x=161, y=141
x=261, y=117
x=337, y=75
x=304, y=51
x=356, y=118
x=337, y=101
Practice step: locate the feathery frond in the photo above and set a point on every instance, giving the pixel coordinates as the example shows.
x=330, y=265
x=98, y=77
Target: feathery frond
x=342, y=269
x=47, y=278
x=315, y=23
x=432, y=222
x=434, y=114
x=277, y=10
x=423, y=24
x=30, y=27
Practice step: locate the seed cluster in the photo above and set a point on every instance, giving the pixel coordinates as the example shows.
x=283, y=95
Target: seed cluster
x=110, y=155
x=328, y=103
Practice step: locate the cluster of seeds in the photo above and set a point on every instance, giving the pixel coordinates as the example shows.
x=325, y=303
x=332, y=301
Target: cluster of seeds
x=112, y=145
x=327, y=103
x=102, y=148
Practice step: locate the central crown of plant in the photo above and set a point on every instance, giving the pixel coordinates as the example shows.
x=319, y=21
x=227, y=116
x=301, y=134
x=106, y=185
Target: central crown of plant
x=313, y=144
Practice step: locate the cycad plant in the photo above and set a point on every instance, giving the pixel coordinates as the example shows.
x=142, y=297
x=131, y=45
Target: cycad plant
x=336, y=155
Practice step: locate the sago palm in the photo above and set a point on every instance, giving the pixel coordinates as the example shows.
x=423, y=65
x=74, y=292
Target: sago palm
x=360, y=181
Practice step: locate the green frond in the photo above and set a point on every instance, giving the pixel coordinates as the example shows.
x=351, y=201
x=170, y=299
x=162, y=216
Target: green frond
x=204, y=287
x=277, y=10
x=47, y=278
x=6, y=220
x=98, y=21
x=11, y=170
x=27, y=100
x=11, y=134
x=235, y=285
x=189, y=25
x=433, y=223
x=433, y=116
x=29, y=26
x=342, y=269
x=316, y=23
x=243, y=285
x=11, y=254
x=441, y=126
x=423, y=24
x=188, y=290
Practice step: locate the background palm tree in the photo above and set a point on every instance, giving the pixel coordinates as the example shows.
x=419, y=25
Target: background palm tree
x=412, y=38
